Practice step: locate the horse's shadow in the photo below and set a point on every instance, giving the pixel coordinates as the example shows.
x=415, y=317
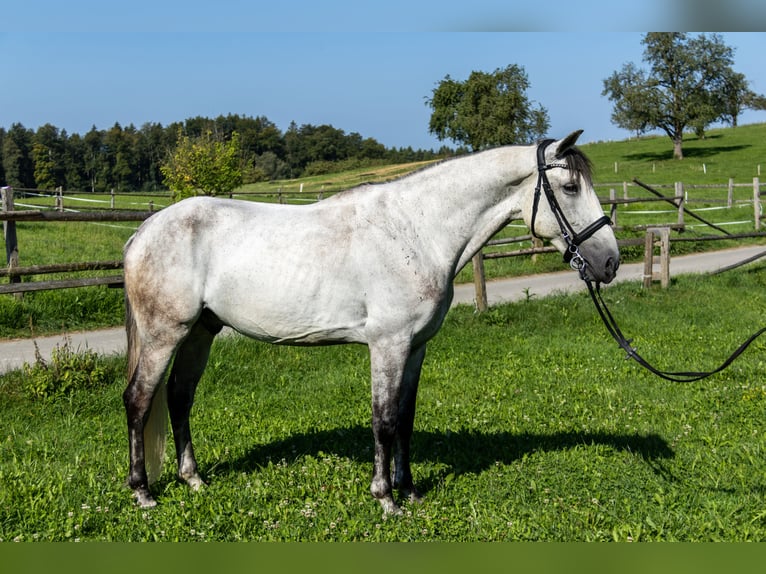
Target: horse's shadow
x=461, y=451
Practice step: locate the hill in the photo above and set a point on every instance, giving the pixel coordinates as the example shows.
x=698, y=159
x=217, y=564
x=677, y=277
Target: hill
x=722, y=154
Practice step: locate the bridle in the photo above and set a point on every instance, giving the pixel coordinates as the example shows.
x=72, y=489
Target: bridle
x=579, y=264
x=571, y=237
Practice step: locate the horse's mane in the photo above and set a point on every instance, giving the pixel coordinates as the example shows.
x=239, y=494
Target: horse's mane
x=575, y=158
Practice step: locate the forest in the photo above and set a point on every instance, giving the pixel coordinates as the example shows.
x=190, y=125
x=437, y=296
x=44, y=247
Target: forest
x=126, y=158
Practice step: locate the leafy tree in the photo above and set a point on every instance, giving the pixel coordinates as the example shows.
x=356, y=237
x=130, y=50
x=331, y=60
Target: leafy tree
x=120, y=144
x=95, y=168
x=268, y=166
x=74, y=163
x=203, y=165
x=736, y=97
x=48, y=157
x=690, y=85
x=17, y=157
x=152, y=145
x=486, y=110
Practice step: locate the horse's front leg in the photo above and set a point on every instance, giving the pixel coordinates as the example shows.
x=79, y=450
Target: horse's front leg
x=387, y=362
x=405, y=423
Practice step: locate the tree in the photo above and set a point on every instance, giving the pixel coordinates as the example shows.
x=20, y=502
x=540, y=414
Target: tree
x=486, y=110
x=203, y=165
x=737, y=97
x=17, y=157
x=690, y=85
x=48, y=157
x=95, y=166
x=74, y=162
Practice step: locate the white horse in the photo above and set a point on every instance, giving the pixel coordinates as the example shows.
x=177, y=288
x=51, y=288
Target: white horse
x=372, y=265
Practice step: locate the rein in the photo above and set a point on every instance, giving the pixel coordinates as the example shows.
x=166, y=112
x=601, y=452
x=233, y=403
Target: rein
x=578, y=263
x=625, y=344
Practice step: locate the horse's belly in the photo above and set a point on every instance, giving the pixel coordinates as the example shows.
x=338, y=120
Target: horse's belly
x=310, y=335
x=295, y=322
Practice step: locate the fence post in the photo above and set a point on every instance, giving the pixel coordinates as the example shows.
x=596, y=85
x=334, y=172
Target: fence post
x=730, y=195
x=757, y=202
x=680, y=203
x=9, y=232
x=613, y=207
x=650, y=259
x=480, y=282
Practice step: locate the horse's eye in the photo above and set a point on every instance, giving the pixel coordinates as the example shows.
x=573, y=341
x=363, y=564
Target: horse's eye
x=570, y=188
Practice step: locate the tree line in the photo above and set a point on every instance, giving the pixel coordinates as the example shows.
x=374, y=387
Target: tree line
x=130, y=159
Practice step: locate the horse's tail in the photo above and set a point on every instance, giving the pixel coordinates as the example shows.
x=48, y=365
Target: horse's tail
x=155, y=428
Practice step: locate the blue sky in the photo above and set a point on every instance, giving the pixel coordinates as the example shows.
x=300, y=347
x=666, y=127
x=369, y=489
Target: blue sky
x=84, y=63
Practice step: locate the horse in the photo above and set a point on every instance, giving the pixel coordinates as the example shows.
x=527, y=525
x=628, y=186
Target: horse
x=372, y=265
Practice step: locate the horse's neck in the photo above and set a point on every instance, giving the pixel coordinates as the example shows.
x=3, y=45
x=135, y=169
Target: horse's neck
x=465, y=201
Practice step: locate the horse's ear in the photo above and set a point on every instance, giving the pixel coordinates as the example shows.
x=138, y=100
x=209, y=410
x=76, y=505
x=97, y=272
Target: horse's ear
x=567, y=142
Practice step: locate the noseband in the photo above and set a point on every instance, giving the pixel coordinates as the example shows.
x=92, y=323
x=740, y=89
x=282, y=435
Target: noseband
x=571, y=237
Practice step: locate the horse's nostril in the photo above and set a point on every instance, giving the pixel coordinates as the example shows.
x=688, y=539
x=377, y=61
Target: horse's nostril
x=612, y=265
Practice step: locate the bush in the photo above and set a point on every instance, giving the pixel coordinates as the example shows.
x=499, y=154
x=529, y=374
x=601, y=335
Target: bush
x=68, y=370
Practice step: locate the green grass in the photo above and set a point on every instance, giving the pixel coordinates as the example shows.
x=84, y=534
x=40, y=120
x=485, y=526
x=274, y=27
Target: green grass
x=531, y=426
x=726, y=152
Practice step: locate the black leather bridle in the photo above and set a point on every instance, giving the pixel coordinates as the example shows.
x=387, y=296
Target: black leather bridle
x=579, y=264
x=572, y=238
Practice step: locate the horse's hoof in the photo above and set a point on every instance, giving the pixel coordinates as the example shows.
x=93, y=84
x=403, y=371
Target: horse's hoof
x=144, y=499
x=415, y=497
x=195, y=483
x=390, y=508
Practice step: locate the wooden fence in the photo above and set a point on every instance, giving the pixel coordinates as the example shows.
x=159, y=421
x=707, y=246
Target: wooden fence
x=14, y=271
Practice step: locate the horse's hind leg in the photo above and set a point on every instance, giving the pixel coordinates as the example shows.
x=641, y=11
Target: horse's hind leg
x=405, y=423
x=186, y=372
x=138, y=398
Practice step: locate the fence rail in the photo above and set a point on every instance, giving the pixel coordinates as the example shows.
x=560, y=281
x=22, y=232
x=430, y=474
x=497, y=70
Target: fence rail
x=679, y=202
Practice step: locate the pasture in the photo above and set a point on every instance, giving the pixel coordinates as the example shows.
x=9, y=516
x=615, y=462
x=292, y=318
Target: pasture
x=530, y=426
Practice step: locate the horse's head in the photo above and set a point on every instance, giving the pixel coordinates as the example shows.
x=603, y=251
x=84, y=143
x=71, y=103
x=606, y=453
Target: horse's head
x=566, y=210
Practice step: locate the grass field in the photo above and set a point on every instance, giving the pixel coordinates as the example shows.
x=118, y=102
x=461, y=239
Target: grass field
x=531, y=426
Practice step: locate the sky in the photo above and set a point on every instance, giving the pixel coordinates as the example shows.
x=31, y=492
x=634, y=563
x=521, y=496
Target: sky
x=368, y=70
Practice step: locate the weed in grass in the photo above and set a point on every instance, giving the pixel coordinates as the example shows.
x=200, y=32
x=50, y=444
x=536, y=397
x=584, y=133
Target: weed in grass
x=67, y=371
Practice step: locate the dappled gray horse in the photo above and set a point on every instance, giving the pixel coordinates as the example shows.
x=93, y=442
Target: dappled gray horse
x=372, y=265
